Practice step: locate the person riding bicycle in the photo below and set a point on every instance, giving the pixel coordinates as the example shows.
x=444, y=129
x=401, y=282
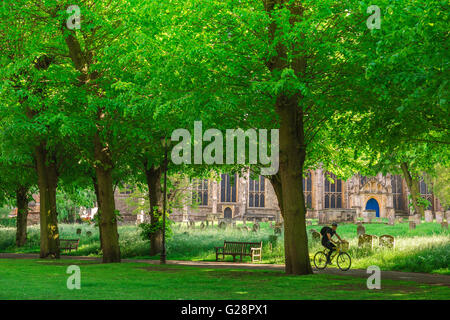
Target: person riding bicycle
x=327, y=233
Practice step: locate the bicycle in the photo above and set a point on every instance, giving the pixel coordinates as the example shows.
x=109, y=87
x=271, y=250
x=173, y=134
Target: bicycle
x=344, y=261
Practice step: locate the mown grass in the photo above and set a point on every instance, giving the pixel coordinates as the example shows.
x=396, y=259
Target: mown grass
x=47, y=279
x=424, y=249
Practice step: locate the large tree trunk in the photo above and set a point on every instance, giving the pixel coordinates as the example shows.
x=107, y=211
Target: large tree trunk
x=292, y=147
x=414, y=189
x=275, y=180
x=94, y=179
x=47, y=181
x=153, y=176
x=22, y=215
x=107, y=208
x=292, y=158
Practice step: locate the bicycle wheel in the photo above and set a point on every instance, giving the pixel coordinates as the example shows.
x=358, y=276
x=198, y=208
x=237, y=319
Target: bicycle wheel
x=320, y=260
x=344, y=261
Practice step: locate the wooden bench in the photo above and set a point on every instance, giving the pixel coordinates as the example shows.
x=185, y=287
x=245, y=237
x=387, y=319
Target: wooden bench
x=233, y=248
x=69, y=244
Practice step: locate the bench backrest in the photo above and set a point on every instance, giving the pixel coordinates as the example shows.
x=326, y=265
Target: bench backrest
x=68, y=243
x=238, y=247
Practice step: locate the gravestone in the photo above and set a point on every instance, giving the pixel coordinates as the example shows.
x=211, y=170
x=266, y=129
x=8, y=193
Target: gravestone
x=412, y=225
x=444, y=225
x=439, y=217
x=400, y=220
x=192, y=224
x=386, y=241
x=277, y=230
x=316, y=236
x=428, y=216
x=418, y=218
x=272, y=241
x=308, y=222
x=391, y=220
x=202, y=225
x=447, y=215
x=222, y=225
x=271, y=224
x=89, y=233
x=78, y=231
x=365, y=241
x=245, y=228
x=256, y=227
x=360, y=230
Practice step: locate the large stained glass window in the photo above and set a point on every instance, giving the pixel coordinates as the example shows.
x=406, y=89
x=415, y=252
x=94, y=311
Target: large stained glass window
x=256, y=194
x=333, y=191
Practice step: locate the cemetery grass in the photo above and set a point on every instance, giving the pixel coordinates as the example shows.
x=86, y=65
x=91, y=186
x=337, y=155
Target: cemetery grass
x=424, y=249
x=47, y=279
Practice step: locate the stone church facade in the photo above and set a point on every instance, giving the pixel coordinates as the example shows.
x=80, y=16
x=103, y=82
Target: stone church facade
x=243, y=198
x=326, y=197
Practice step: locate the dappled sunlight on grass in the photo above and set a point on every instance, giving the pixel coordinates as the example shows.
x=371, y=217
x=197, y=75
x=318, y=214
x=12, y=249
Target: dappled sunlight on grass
x=424, y=249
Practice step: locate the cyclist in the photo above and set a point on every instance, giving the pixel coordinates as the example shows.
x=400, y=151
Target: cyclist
x=327, y=233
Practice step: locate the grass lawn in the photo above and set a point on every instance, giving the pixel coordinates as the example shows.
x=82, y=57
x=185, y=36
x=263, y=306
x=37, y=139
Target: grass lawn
x=424, y=249
x=46, y=279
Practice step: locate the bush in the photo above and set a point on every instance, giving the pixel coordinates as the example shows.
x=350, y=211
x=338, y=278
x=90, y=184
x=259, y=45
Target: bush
x=8, y=222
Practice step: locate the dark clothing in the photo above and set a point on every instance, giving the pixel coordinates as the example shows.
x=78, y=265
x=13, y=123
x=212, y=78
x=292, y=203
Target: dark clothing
x=326, y=242
x=331, y=246
x=324, y=232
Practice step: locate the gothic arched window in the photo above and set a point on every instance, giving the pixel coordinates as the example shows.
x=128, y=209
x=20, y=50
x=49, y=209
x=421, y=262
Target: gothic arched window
x=200, y=192
x=333, y=192
x=228, y=188
x=256, y=192
x=307, y=189
x=426, y=194
x=397, y=192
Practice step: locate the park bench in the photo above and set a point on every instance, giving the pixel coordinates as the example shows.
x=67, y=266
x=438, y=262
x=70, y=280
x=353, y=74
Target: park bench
x=69, y=244
x=241, y=249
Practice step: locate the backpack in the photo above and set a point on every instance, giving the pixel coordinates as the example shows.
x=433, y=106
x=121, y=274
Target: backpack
x=324, y=230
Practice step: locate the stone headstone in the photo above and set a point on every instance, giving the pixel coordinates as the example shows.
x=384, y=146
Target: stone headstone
x=412, y=225
x=272, y=241
x=316, y=236
x=222, y=224
x=444, y=225
x=202, y=225
x=439, y=217
x=428, y=216
x=277, y=230
x=360, y=230
x=256, y=227
x=418, y=218
x=271, y=224
x=391, y=220
x=78, y=231
x=386, y=241
x=365, y=241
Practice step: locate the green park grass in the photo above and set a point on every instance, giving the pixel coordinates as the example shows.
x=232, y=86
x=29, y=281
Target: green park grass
x=425, y=249
x=47, y=279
